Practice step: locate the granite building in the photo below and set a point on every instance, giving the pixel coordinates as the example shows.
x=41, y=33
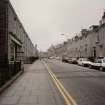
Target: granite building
x=14, y=40
x=15, y=44
x=90, y=43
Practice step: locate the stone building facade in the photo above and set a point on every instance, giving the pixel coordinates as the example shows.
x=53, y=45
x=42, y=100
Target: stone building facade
x=16, y=47
x=14, y=40
x=3, y=32
x=90, y=43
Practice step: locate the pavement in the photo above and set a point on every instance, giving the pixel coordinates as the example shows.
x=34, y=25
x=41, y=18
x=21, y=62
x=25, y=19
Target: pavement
x=34, y=87
x=86, y=86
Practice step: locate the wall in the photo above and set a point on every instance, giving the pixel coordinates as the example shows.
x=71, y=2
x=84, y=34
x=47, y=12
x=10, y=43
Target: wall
x=16, y=27
x=3, y=31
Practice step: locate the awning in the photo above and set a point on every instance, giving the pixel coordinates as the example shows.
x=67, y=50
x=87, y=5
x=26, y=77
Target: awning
x=15, y=40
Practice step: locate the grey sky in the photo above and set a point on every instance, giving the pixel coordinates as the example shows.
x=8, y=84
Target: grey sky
x=45, y=20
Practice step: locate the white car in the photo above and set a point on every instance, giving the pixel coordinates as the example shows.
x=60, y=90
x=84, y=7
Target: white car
x=99, y=64
x=84, y=62
x=52, y=57
x=58, y=58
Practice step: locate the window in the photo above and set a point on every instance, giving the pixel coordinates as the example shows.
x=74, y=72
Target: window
x=14, y=18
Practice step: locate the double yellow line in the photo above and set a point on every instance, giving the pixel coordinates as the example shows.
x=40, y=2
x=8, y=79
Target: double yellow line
x=68, y=99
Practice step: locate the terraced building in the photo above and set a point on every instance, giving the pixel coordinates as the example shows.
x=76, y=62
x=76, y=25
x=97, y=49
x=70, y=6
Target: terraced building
x=15, y=44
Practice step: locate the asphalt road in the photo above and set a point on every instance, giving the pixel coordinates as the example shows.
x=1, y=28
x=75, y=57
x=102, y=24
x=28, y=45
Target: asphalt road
x=86, y=86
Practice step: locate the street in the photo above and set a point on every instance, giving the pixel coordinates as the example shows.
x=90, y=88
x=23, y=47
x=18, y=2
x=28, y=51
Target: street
x=35, y=86
x=86, y=86
x=52, y=52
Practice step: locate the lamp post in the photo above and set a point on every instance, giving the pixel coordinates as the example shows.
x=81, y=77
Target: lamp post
x=65, y=53
x=65, y=35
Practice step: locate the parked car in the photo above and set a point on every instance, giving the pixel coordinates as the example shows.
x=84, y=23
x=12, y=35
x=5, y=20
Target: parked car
x=52, y=57
x=58, y=58
x=69, y=60
x=74, y=61
x=98, y=64
x=84, y=62
x=65, y=59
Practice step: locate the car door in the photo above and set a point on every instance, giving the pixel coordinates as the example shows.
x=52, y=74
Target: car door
x=98, y=62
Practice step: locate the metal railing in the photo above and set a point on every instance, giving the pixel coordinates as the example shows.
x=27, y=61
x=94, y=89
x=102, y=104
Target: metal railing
x=8, y=70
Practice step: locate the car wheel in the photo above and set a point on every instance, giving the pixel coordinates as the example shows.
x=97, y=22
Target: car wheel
x=90, y=66
x=101, y=68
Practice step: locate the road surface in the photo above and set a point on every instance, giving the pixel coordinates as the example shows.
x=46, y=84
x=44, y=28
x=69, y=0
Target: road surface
x=86, y=86
x=40, y=85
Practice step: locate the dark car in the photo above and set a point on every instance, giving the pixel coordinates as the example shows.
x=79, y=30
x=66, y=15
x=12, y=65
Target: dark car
x=74, y=61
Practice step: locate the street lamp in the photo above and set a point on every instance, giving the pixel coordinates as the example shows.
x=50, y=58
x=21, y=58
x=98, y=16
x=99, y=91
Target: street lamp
x=65, y=35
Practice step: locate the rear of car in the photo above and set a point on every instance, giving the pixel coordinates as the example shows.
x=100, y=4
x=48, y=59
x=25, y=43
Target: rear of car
x=98, y=64
x=69, y=60
x=84, y=62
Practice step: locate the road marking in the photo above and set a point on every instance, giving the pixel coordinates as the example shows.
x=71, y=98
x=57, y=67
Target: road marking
x=67, y=97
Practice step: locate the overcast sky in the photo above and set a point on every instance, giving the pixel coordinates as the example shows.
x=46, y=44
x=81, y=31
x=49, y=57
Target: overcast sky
x=46, y=20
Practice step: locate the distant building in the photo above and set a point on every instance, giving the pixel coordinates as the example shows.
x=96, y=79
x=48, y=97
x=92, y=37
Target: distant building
x=90, y=43
x=51, y=51
x=43, y=54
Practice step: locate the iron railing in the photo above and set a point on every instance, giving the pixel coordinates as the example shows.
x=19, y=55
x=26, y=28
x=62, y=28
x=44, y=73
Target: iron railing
x=8, y=70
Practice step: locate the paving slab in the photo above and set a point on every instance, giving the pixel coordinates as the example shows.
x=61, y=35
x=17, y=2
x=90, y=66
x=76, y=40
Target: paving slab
x=34, y=87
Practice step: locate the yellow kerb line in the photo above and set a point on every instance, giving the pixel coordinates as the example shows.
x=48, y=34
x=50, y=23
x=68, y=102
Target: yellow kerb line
x=68, y=99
